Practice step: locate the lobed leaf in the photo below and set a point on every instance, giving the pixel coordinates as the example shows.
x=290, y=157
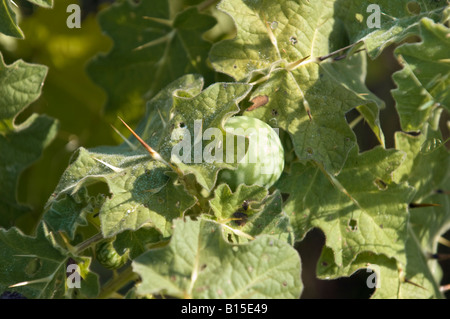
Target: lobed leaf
x=200, y=263
x=423, y=83
x=8, y=19
x=32, y=259
x=21, y=145
x=397, y=20
x=164, y=45
x=250, y=212
x=280, y=46
x=361, y=210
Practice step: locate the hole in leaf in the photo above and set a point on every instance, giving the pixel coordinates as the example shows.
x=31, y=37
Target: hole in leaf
x=293, y=40
x=353, y=224
x=413, y=133
x=380, y=184
x=33, y=266
x=413, y=7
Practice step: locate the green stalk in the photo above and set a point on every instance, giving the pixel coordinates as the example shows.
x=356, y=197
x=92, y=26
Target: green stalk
x=112, y=286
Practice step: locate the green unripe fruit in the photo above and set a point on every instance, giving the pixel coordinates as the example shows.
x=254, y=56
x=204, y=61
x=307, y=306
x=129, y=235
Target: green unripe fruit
x=263, y=161
x=108, y=256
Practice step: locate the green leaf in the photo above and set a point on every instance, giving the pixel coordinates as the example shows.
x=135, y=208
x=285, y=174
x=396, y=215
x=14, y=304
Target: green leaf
x=250, y=212
x=32, y=260
x=138, y=241
x=427, y=168
x=419, y=279
x=423, y=83
x=164, y=46
x=8, y=21
x=66, y=214
x=430, y=223
x=391, y=279
x=424, y=169
x=279, y=45
x=141, y=191
x=398, y=20
x=360, y=210
x=225, y=203
x=383, y=272
x=210, y=109
x=69, y=95
x=90, y=285
x=21, y=145
x=200, y=263
x=20, y=85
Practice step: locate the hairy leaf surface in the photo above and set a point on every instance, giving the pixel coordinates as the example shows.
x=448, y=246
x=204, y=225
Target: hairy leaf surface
x=424, y=82
x=360, y=210
x=153, y=46
x=22, y=144
x=200, y=263
x=282, y=46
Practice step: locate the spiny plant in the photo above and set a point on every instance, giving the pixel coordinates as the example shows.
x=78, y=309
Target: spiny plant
x=193, y=228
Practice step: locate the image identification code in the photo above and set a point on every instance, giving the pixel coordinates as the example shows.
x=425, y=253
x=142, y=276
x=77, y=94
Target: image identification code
x=238, y=308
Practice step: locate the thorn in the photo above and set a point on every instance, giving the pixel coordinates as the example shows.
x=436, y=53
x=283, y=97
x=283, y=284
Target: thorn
x=161, y=117
x=65, y=239
x=25, y=283
x=441, y=191
x=444, y=241
x=414, y=284
x=150, y=150
x=324, y=57
x=145, y=145
x=302, y=61
x=158, y=41
x=445, y=288
x=166, y=22
x=340, y=57
x=131, y=145
x=438, y=256
x=272, y=37
x=309, y=114
x=115, y=169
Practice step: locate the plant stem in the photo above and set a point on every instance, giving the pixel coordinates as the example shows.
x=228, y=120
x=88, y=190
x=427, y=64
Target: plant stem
x=111, y=287
x=88, y=243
